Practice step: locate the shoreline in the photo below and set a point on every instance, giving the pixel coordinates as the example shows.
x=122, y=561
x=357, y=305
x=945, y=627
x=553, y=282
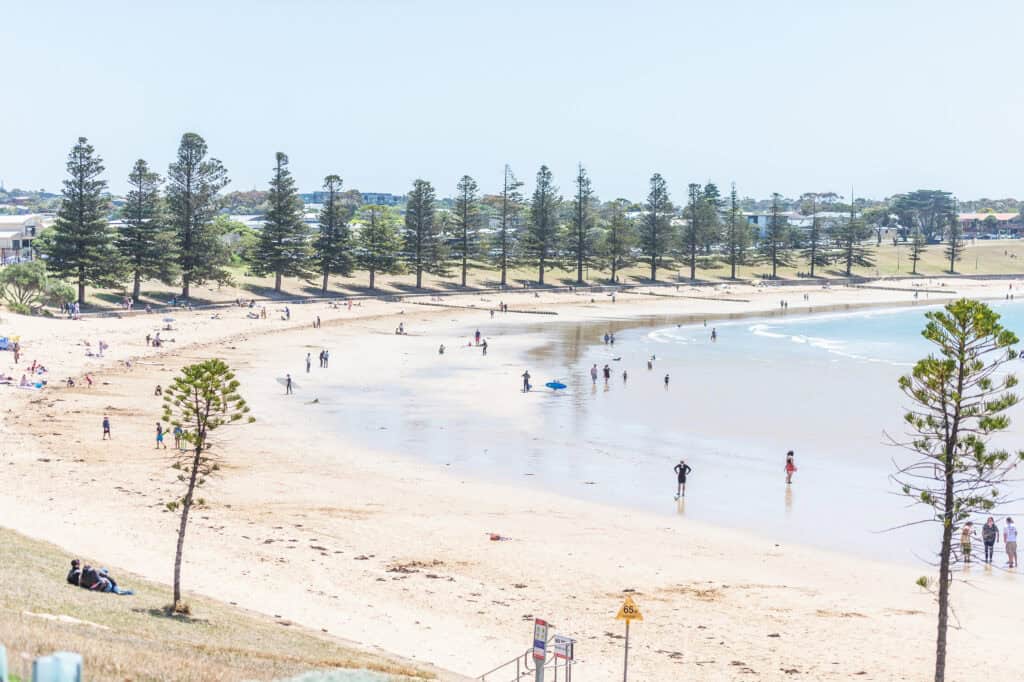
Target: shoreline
x=403, y=515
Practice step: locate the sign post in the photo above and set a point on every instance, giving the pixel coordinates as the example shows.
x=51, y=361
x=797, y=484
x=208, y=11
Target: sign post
x=540, y=646
x=564, y=650
x=628, y=611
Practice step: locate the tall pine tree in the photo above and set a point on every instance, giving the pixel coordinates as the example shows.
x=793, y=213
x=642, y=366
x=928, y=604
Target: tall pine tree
x=619, y=238
x=777, y=241
x=581, y=240
x=80, y=245
x=332, y=248
x=424, y=241
x=737, y=235
x=466, y=223
x=378, y=244
x=918, y=244
x=541, y=241
x=693, y=230
x=656, y=234
x=954, y=238
x=145, y=241
x=193, y=181
x=849, y=237
x=814, y=246
x=711, y=221
x=283, y=244
x=508, y=230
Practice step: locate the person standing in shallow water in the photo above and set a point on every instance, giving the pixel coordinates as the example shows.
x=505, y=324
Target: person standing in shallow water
x=990, y=535
x=1010, y=542
x=790, y=467
x=965, y=541
x=682, y=471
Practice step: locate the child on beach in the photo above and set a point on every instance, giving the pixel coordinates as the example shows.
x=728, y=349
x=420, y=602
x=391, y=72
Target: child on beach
x=1010, y=541
x=965, y=541
x=106, y=428
x=790, y=467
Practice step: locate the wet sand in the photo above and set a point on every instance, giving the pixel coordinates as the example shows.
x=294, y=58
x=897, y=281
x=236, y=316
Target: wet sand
x=390, y=550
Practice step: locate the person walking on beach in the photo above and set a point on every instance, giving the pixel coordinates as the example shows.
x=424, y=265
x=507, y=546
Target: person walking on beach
x=484, y=346
x=327, y=358
x=160, y=436
x=526, y=381
x=1010, y=541
x=682, y=471
x=790, y=467
x=607, y=371
x=287, y=384
x=178, y=431
x=476, y=337
x=966, y=533
x=625, y=376
x=714, y=335
x=593, y=373
x=989, y=535
x=106, y=428
x=309, y=362
x=666, y=381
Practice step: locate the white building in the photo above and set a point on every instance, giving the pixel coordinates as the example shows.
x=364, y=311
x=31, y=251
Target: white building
x=17, y=232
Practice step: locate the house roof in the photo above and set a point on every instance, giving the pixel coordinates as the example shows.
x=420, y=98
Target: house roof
x=1001, y=217
x=9, y=234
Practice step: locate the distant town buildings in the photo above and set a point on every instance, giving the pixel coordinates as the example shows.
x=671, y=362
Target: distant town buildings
x=989, y=225
x=382, y=198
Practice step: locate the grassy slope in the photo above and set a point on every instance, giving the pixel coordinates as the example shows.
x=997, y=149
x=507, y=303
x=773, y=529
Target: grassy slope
x=983, y=257
x=219, y=642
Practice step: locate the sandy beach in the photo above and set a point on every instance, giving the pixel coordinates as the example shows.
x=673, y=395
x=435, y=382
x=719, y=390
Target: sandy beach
x=393, y=552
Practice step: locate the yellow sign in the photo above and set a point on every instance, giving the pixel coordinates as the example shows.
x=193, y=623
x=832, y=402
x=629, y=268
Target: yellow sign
x=629, y=611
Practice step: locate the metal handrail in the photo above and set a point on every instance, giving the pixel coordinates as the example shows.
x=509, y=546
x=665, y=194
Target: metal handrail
x=524, y=657
x=522, y=663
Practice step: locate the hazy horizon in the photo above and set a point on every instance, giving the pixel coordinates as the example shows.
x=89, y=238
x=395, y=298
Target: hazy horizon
x=791, y=97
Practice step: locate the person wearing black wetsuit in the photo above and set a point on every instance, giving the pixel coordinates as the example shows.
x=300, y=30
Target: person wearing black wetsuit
x=682, y=470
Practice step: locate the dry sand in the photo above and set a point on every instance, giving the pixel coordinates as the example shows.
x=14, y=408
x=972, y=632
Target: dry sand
x=389, y=551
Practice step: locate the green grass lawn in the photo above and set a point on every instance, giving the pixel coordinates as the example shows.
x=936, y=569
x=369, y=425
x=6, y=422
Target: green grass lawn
x=130, y=637
x=983, y=257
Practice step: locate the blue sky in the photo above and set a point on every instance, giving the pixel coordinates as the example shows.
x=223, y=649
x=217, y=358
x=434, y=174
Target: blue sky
x=782, y=96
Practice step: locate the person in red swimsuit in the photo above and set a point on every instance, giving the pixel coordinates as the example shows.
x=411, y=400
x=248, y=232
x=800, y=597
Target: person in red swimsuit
x=790, y=467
